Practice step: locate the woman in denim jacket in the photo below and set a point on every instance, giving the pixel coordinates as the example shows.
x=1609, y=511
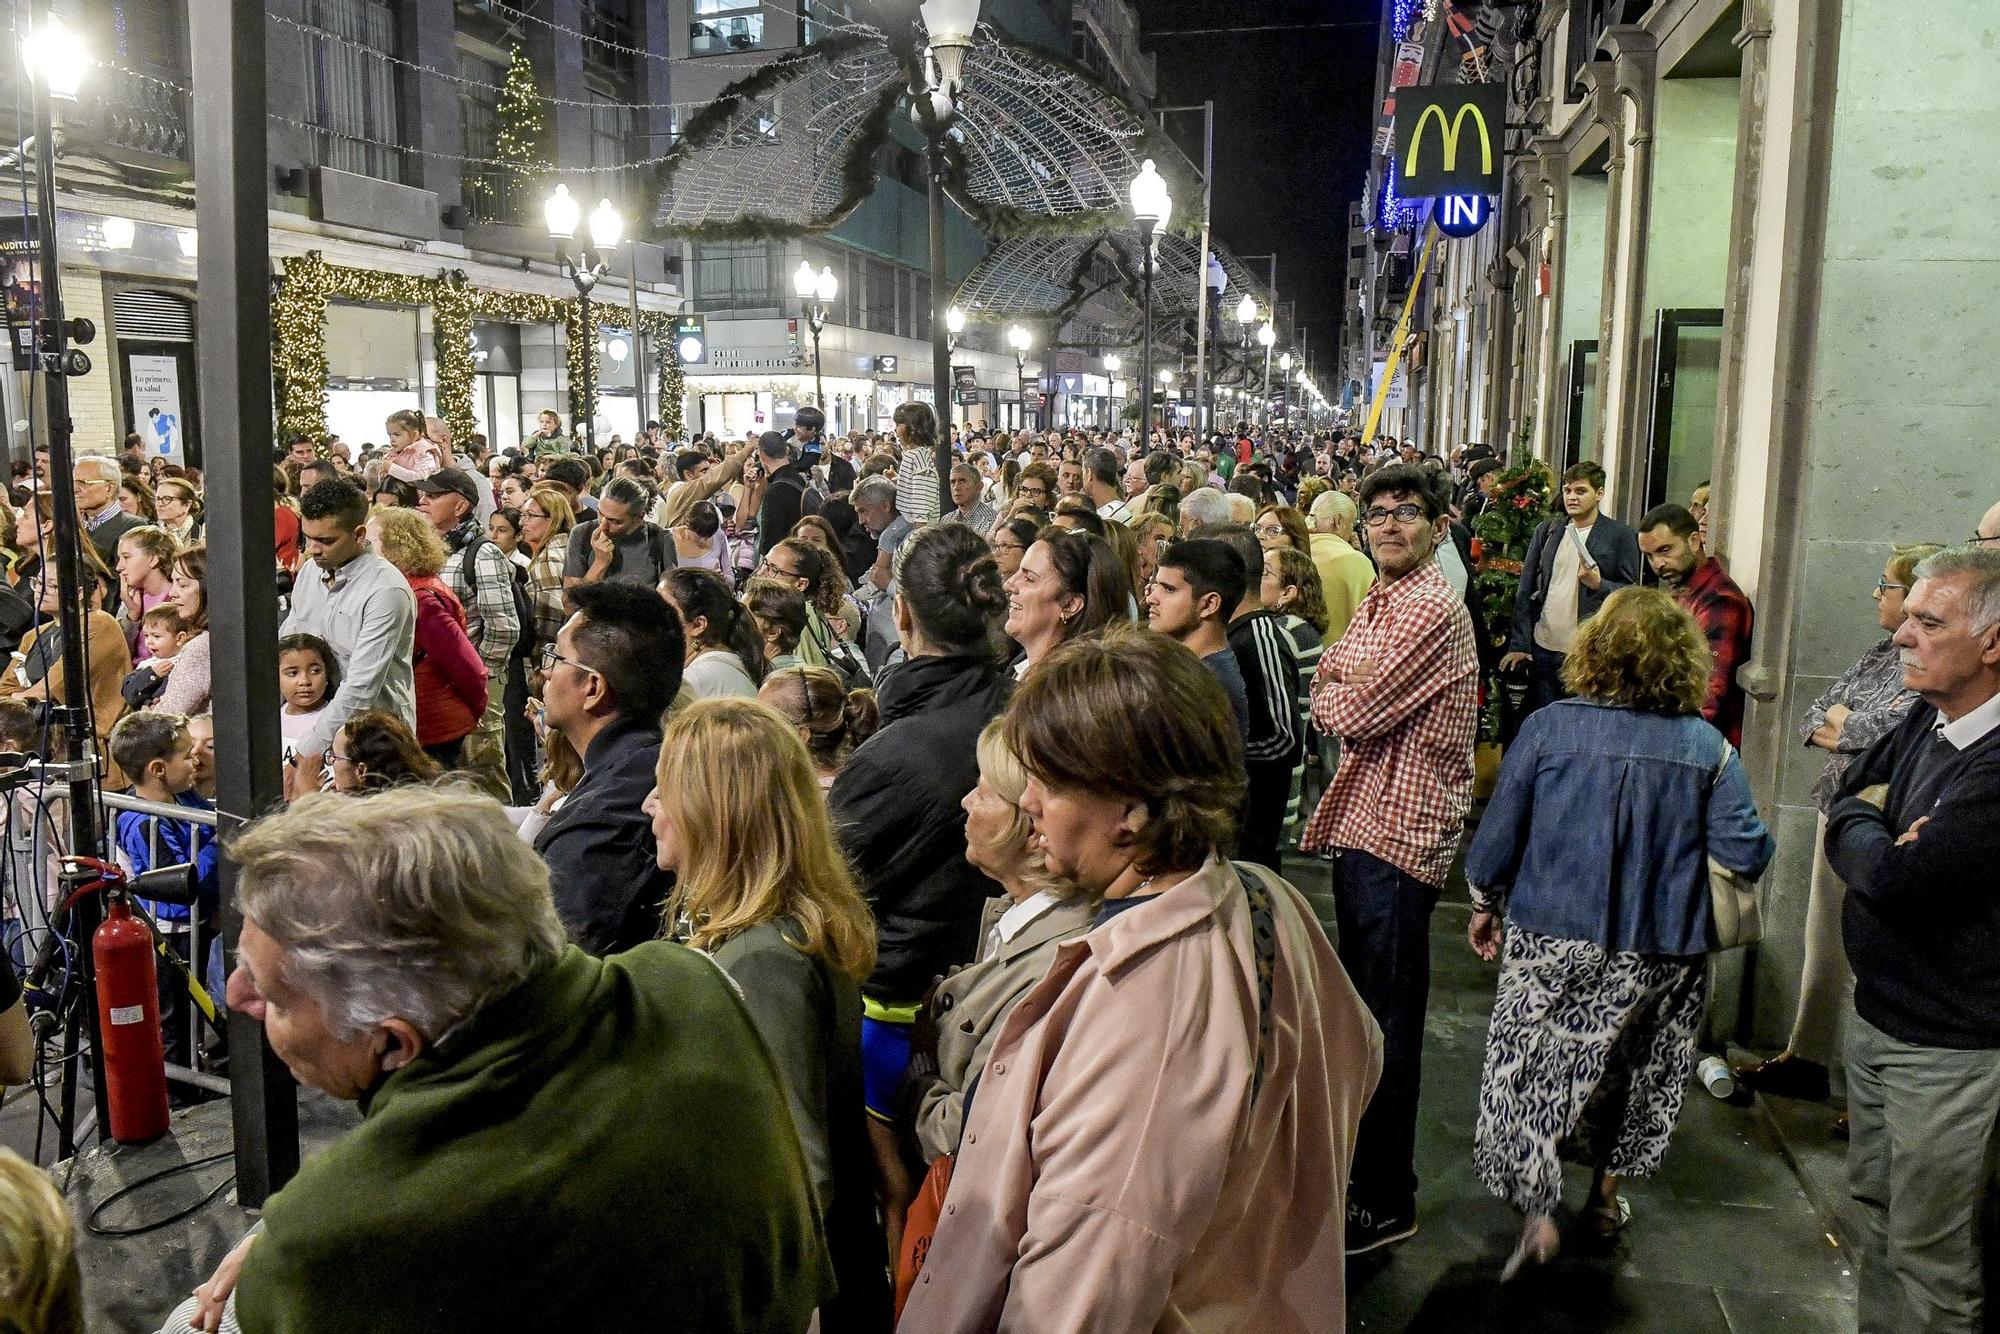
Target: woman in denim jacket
x=1596, y=847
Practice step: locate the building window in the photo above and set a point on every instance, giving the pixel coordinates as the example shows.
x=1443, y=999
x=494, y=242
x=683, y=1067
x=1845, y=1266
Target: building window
x=610, y=132
x=350, y=89
x=823, y=18
x=478, y=133
x=737, y=275
x=878, y=312
x=719, y=27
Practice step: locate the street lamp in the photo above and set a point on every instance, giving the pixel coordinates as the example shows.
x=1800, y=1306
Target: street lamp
x=816, y=292
x=55, y=57
x=934, y=86
x=1267, y=336
x=1020, y=340
x=1285, y=384
x=1152, y=207
x=584, y=265
x=1113, y=363
x=954, y=326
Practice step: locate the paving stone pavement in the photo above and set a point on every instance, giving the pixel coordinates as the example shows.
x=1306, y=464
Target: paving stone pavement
x=1726, y=1240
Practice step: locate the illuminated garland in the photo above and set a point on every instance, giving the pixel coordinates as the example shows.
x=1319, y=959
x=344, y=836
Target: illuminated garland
x=298, y=313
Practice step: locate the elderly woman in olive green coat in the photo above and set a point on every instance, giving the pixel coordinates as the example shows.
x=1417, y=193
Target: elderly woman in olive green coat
x=1018, y=936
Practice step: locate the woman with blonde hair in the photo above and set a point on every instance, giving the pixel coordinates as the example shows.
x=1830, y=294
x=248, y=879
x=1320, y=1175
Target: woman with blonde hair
x=1018, y=936
x=449, y=678
x=178, y=506
x=41, y=1285
x=546, y=521
x=762, y=886
x=1607, y=922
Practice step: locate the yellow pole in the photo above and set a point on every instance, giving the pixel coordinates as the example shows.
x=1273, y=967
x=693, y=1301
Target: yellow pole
x=1396, y=340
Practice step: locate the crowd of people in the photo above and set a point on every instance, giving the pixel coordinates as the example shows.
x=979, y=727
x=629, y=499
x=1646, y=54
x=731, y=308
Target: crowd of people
x=890, y=868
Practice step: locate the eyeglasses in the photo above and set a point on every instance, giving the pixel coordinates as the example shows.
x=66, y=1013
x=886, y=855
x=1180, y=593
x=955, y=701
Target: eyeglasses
x=777, y=569
x=1979, y=539
x=533, y=514
x=550, y=658
x=1401, y=514
x=1029, y=492
x=1884, y=586
x=1270, y=530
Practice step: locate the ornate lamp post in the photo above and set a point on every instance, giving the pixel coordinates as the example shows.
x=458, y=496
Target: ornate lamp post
x=1285, y=384
x=1020, y=340
x=816, y=292
x=1113, y=363
x=948, y=29
x=584, y=265
x=1267, y=336
x=1152, y=208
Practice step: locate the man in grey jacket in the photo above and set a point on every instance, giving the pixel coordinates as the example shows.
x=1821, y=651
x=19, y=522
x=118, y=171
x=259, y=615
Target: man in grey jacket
x=361, y=605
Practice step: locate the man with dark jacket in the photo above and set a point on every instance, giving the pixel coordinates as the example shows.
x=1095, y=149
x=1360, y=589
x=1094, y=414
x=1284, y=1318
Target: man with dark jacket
x=1573, y=564
x=612, y=672
x=1922, y=929
x=784, y=491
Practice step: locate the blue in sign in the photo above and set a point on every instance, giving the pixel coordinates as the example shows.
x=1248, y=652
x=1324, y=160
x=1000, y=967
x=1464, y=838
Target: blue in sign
x=1462, y=215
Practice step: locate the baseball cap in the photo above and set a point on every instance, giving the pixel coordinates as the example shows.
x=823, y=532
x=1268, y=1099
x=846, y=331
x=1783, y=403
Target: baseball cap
x=450, y=479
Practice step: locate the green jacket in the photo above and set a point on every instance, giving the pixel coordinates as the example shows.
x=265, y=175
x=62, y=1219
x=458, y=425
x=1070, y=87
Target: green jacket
x=606, y=1147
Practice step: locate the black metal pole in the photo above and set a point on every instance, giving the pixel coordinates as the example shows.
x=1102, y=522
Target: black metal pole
x=231, y=167
x=589, y=355
x=1146, y=324
x=940, y=323
x=72, y=714
x=819, y=381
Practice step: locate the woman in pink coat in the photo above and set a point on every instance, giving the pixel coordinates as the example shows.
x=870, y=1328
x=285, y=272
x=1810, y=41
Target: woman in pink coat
x=1160, y=1138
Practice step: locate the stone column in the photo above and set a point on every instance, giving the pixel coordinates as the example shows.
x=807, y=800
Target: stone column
x=1548, y=387
x=1754, y=40
x=427, y=33
x=1622, y=90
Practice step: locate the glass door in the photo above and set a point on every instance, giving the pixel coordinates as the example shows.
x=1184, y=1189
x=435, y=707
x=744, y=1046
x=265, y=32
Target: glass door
x=1687, y=366
x=1582, y=398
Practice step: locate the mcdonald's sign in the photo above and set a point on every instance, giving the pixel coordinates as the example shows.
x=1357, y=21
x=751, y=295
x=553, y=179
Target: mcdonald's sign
x=1450, y=140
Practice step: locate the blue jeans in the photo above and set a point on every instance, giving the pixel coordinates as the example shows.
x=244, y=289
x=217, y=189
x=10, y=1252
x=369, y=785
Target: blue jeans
x=1545, y=684
x=1384, y=916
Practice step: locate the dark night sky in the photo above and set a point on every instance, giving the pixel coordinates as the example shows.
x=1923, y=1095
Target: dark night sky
x=1292, y=128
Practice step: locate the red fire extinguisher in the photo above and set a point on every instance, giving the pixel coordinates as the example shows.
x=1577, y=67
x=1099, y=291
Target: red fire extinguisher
x=128, y=1025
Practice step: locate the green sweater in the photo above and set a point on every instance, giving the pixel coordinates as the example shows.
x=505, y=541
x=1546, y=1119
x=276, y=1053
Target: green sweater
x=606, y=1147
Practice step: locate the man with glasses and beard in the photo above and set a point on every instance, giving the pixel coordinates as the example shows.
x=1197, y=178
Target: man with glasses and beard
x=1400, y=689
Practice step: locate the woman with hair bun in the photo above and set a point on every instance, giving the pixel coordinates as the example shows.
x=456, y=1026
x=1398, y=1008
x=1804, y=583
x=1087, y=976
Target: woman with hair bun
x=832, y=720
x=896, y=804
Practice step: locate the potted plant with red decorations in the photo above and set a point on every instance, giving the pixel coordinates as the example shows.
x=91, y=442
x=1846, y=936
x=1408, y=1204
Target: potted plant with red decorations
x=1521, y=500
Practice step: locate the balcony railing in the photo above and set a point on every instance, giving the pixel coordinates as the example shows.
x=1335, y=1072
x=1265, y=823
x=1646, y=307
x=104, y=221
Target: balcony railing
x=121, y=111
x=713, y=37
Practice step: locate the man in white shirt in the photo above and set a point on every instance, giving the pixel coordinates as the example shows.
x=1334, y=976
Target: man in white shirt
x=1573, y=564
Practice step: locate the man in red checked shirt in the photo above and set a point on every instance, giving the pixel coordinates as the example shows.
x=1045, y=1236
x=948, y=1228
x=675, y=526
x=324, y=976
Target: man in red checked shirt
x=1673, y=547
x=1400, y=689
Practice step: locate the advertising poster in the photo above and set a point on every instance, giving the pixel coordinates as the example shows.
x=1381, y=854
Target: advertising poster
x=156, y=405
x=19, y=239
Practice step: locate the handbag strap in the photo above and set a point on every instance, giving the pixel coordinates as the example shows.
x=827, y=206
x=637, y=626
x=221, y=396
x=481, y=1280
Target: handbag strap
x=1264, y=940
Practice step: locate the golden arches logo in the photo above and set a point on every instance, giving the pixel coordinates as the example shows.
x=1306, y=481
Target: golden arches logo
x=1450, y=132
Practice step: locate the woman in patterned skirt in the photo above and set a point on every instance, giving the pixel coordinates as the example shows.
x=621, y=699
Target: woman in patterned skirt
x=1595, y=848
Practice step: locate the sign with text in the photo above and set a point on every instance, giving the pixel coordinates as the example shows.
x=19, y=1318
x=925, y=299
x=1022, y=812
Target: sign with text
x=1461, y=215
x=1450, y=140
x=20, y=239
x=156, y=404
x=691, y=340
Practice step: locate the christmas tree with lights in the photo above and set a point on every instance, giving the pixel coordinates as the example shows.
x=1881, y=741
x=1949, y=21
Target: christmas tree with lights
x=518, y=143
